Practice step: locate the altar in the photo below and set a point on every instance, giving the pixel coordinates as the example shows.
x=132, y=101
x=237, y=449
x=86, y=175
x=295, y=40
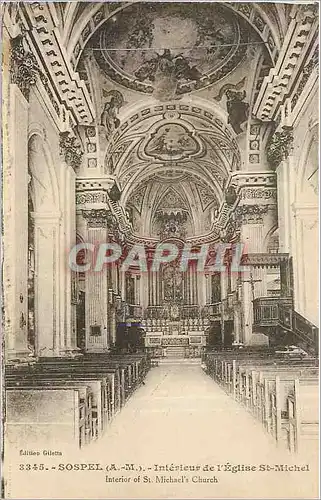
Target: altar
x=179, y=346
x=175, y=330
x=182, y=339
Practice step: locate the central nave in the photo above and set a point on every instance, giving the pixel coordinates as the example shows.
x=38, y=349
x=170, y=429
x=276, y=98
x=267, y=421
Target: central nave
x=180, y=416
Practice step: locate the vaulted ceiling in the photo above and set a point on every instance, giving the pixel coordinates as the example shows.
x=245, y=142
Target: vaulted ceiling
x=159, y=75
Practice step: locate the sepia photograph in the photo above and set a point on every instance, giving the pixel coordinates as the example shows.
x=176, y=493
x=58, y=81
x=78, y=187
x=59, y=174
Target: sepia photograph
x=160, y=250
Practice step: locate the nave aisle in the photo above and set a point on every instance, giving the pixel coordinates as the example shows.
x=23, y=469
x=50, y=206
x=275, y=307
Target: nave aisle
x=180, y=416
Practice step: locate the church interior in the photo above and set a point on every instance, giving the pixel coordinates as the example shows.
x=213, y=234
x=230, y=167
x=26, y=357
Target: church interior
x=147, y=123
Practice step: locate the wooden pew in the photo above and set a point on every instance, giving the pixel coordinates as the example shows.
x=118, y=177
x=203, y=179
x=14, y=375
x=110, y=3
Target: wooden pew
x=266, y=386
x=36, y=417
x=113, y=375
x=295, y=411
x=250, y=383
x=102, y=382
x=72, y=367
x=98, y=387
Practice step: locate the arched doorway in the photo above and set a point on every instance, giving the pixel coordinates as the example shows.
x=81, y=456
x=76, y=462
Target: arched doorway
x=43, y=244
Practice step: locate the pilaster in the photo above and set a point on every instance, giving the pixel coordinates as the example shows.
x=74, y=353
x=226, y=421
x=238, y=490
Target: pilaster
x=98, y=321
x=15, y=183
x=47, y=284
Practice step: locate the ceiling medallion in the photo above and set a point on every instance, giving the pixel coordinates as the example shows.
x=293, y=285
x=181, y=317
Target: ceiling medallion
x=172, y=142
x=169, y=49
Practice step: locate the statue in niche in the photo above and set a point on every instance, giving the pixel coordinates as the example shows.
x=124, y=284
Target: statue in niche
x=237, y=109
x=230, y=195
x=109, y=118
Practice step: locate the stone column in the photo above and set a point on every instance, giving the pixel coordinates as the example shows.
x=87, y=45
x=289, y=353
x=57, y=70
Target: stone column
x=251, y=218
x=144, y=290
x=71, y=156
x=208, y=288
x=97, y=294
x=237, y=323
x=202, y=288
x=68, y=341
x=284, y=202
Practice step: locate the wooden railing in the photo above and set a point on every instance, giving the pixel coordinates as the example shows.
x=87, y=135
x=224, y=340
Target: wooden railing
x=279, y=312
x=303, y=329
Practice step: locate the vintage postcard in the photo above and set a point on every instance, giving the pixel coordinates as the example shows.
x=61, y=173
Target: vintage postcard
x=160, y=250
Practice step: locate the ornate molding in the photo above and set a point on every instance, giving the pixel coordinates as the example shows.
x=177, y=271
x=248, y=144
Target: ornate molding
x=306, y=72
x=91, y=197
x=250, y=214
x=231, y=233
x=265, y=259
x=260, y=193
x=100, y=218
x=250, y=179
x=278, y=84
x=24, y=67
x=70, y=149
x=279, y=146
x=56, y=65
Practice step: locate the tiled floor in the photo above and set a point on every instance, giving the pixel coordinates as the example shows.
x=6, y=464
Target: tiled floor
x=181, y=417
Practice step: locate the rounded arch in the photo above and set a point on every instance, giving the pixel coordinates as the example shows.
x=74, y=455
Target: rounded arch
x=271, y=240
x=306, y=234
x=44, y=183
x=141, y=176
x=158, y=194
x=306, y=188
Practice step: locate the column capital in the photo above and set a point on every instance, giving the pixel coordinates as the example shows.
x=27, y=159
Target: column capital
x=100, y=218
x=24, y=66
x=250, y=214
x=279, y=146
x=70, y=149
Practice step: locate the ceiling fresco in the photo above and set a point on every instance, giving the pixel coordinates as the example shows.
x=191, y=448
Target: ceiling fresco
x=171, y=141
x=173, y=97
x=169, y=49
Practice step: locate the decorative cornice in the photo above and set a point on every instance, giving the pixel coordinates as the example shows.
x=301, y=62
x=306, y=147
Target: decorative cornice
x=259, y=193
x=279, y=146
x=278, y=84
x=101, y=218
x=24, y=67
x=90, y=197
x=253, y=179
x=306, y=72
x=250, y=214
x=265, y=259
x=46, y=38
x=70, y=149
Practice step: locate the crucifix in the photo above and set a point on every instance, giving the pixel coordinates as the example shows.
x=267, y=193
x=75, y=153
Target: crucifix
x=252, y=281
